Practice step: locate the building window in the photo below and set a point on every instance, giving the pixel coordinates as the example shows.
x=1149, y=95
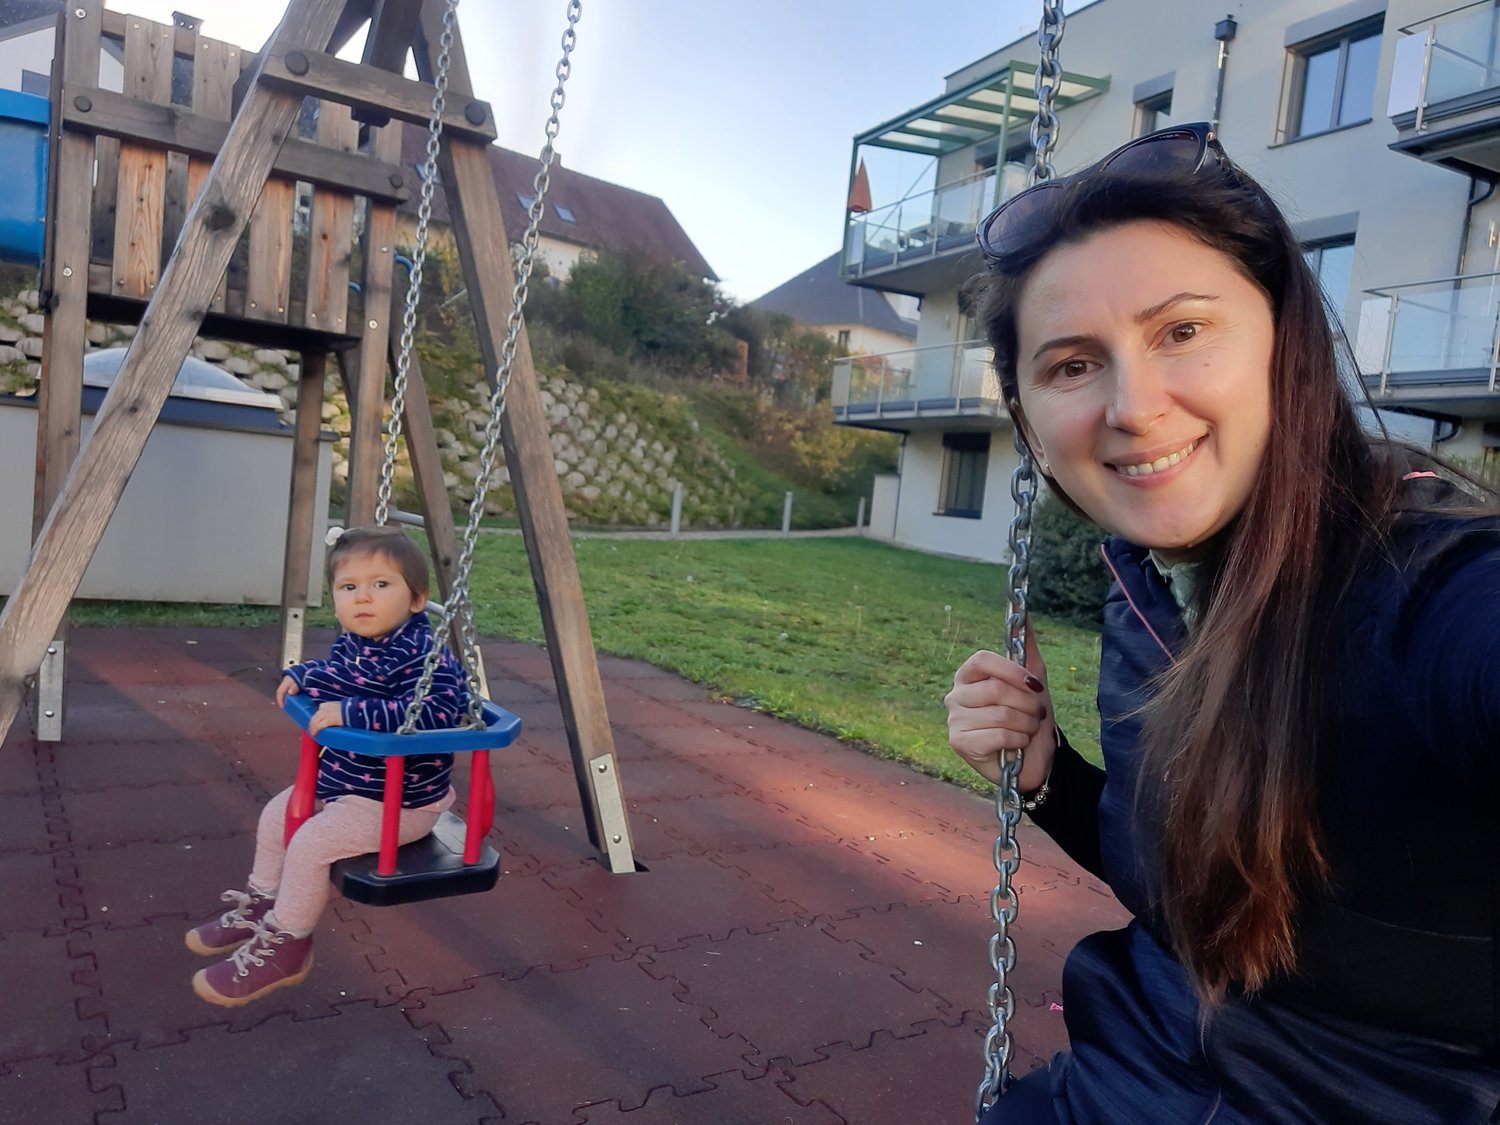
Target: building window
x=1333, y=81
x=564, y=213
x=525, y=200
x=966, y=459
x=843, y=340
x=1153, y=114
x=1333, y=263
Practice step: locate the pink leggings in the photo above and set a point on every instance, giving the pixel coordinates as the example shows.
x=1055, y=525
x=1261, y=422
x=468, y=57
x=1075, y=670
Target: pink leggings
x=297, y=874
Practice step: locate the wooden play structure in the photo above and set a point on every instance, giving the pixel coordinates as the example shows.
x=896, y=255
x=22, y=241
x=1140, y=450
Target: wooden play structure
x=237, y=196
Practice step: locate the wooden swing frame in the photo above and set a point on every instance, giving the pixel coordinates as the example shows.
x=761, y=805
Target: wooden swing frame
x=136, y=145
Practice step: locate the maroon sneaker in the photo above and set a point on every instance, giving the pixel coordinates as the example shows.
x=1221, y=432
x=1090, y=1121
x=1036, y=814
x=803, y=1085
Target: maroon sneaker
x=233, y=928
x=271, y=959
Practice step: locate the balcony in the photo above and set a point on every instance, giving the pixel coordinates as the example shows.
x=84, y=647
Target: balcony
x=950, y=386
x=912, y=234
x=1445, y=90
x=949, y=156
x=1433, y=345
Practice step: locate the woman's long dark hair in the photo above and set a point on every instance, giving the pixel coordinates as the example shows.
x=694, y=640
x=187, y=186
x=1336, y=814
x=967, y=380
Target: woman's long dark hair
x=1235, y=723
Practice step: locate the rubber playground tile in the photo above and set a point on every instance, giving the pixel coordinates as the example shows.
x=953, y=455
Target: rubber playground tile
x=173, y=812
x=853, y=814
x=46, y=982
x=119, y=712
x=44, y=1090
x=629, y=708
x=85, y=767
x=680, y=898
x=694, y=741
x=786, y=738
x=529, y=665
x=734, y=823
x=21, y=760
x=726, y=716
x=145, y=973
x=529, y=783
x=651, y=838
x=23, y=825
x=666, y=779
x=671, y=689
x=557, y=836
x=917, y=945
x=32, y=901
x=128, y=885
x=768, y=772
x=829, y=880
x=929, y=1077
x=512, y=693
x=546, y=1044
x=955, y=864
x=824, y=992
x=444, y=945
x=612, y=668
x=733, y=1100
x=543, y=715
x=295, y=1071
x=961, y=810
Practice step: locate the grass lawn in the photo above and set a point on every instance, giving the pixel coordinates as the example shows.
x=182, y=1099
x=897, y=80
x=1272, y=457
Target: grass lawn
x=843, y=635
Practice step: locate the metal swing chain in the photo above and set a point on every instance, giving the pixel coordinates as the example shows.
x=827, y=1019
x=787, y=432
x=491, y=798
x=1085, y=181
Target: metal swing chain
x=998, y=1044
x=460, y=604
x=418, y=260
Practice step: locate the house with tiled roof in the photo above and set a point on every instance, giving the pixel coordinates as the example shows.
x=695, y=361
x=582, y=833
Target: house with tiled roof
x=857, y=319
x=581, y=214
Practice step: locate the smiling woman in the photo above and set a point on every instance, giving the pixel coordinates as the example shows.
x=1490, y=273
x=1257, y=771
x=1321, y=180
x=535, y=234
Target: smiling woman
x=1302, y=617
x=1156, y=415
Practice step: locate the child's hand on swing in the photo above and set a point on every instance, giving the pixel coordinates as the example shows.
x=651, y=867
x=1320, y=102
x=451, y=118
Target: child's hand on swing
x=327, y=715
x=288, y=686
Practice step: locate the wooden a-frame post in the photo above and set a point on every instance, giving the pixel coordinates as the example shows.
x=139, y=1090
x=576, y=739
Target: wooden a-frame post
x=295, y=65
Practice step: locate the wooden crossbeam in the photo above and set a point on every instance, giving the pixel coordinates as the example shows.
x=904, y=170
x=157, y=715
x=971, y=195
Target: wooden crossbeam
x=364, y=89
x=93, y=487
x=114, y=115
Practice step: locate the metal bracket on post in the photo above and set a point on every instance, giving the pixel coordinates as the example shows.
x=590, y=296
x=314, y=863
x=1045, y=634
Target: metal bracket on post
x=49, y=694
x=611, y=805
x=291, y=638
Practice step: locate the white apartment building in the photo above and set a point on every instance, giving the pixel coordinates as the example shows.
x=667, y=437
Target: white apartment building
x=1375, y=123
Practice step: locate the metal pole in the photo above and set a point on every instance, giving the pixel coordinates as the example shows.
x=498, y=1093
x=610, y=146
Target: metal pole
x=677, y=509
x=1421, y=122
x=786, y=515
x=1390, y=332
x=859, y=515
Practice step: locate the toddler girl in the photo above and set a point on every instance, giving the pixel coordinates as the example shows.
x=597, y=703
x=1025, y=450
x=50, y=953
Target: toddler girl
x=379, y=581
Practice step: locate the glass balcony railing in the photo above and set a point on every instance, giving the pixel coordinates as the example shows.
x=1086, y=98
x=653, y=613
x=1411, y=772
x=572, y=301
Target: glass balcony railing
x=935, y=221
x=1447, y=58
x=1431, y=333
x=948, y=378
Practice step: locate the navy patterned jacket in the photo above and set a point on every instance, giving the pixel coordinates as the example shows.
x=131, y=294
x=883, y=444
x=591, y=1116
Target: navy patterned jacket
x=373, y=682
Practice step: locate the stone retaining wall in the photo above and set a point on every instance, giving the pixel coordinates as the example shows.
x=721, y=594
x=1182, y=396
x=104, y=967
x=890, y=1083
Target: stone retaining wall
x=614, y=468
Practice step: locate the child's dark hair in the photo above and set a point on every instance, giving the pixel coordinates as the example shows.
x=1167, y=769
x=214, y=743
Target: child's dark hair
x=391, y=542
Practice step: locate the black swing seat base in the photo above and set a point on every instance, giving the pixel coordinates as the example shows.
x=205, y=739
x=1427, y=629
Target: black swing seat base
x=432, y=867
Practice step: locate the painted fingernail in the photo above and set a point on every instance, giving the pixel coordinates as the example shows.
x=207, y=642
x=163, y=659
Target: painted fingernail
x=1035, y=684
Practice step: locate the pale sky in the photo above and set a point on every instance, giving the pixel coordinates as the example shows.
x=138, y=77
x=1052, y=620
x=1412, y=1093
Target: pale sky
x=738, y=113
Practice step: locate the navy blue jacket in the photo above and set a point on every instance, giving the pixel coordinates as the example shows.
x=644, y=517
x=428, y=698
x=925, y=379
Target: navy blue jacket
x=373, y=682
x=1394, y=1012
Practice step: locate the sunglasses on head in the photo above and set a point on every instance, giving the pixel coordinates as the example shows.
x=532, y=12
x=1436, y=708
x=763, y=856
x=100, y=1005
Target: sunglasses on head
x=1179, y=148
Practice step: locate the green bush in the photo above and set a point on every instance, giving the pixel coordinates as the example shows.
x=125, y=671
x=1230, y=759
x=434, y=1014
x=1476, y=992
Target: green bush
x=1068, y=576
